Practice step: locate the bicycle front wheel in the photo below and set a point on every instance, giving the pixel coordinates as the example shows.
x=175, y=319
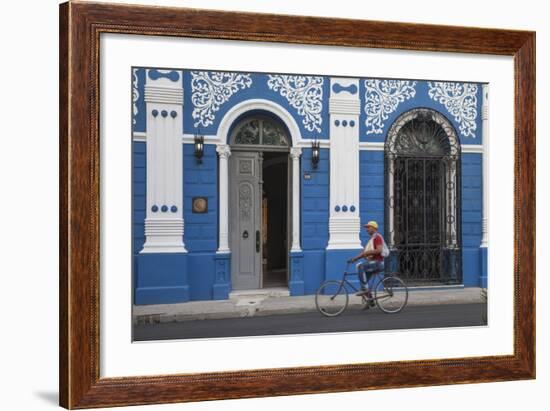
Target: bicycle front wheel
x=391, y=294
x=331, y=298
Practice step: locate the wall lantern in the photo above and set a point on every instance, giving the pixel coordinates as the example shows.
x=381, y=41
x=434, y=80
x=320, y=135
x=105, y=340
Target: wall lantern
x=199, y=146
x=315, y=153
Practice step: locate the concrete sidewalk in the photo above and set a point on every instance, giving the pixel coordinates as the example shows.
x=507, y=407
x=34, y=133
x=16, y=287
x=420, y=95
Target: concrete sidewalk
x=275, y=301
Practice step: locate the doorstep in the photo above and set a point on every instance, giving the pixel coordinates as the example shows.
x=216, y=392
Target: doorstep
x=260, y=292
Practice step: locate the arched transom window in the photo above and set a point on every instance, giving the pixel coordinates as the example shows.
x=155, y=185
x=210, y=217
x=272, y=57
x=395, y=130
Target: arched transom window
x=260, y=131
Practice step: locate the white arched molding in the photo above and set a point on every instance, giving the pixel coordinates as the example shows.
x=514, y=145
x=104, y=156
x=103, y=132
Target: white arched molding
x=485, y=142
x=164, y=209
x=258, y=104
x=224, y=152
x=344, y=109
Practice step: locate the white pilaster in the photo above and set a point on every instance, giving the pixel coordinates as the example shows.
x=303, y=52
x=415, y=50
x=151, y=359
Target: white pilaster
x=295, y=154
x=485, y=141
x=164, y=214
x=224, y=152
x=344, y=108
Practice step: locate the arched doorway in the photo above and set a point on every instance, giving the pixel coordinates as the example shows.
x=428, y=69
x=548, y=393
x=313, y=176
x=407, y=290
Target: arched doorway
x=423, y=197
x=259, y=201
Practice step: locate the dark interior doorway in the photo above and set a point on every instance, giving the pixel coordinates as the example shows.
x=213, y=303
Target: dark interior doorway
x=274, y=219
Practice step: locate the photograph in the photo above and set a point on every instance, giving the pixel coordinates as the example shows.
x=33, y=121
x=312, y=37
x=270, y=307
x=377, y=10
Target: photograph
x=283, y=203
x=263, y=204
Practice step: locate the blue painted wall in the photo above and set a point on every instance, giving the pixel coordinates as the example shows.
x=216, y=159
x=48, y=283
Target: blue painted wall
x=371, y=190
x=314, y=201
x=139, y=172
x=200, y=180
x=201, y=275
x=471, y=217
x=160, y=278
x=201, y=230
x=314, y=217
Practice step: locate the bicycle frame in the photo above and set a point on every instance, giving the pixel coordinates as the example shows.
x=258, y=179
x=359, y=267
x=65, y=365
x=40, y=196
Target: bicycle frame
x=347, y=274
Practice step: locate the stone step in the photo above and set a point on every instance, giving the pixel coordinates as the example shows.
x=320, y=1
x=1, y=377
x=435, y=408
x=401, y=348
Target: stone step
x=259, y=293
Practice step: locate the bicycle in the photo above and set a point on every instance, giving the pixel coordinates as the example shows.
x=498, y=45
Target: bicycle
x=390, y=294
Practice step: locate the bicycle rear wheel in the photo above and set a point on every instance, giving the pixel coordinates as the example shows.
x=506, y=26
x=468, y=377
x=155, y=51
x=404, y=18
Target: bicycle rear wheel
x=391, y=294
x=331, y=298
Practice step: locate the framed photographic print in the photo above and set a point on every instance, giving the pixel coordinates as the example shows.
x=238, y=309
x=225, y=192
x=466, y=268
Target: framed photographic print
x=257, y=190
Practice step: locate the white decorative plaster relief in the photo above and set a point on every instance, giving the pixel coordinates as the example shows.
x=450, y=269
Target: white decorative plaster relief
x=135, y=94
x=382, y=97
x=460, y=100
x=304, y=93
x=211, y=89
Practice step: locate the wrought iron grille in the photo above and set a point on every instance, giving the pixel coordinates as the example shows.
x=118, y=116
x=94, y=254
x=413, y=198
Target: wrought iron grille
x=422, y=184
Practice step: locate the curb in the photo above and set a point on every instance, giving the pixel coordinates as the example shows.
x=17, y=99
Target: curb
x=258, y=307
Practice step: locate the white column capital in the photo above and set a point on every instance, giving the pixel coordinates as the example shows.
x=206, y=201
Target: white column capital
x=295, y=153
x=344, y=96
x=223, y=150
x=163, y=86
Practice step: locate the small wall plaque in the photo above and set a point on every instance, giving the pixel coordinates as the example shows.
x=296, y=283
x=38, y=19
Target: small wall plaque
x=200, y=204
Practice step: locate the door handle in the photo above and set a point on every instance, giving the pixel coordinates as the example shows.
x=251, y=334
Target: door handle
x=257, y=241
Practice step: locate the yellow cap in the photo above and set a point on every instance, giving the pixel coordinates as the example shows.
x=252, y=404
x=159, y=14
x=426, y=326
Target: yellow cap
x=373, y=224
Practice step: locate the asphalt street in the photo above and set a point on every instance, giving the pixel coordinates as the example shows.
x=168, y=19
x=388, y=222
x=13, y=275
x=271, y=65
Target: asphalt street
x=353, y=319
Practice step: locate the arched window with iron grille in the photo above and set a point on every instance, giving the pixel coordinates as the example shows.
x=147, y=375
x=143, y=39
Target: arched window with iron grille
x=423, y=197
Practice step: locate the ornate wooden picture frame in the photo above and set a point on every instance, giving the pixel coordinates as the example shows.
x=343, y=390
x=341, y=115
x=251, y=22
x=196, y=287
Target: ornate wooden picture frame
x=81, y=25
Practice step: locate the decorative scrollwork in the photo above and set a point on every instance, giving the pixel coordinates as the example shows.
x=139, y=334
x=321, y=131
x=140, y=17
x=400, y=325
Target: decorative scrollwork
x=303, y=93
x=382, y=98
x=135, y=95
x=211, y=89
x=460, y=100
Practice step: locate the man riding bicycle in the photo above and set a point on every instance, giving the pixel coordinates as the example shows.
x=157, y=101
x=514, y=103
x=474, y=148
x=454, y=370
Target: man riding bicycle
x=374, y=261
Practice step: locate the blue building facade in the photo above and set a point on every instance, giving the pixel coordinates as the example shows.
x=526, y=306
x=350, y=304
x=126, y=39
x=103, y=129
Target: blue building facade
x=254, y=180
